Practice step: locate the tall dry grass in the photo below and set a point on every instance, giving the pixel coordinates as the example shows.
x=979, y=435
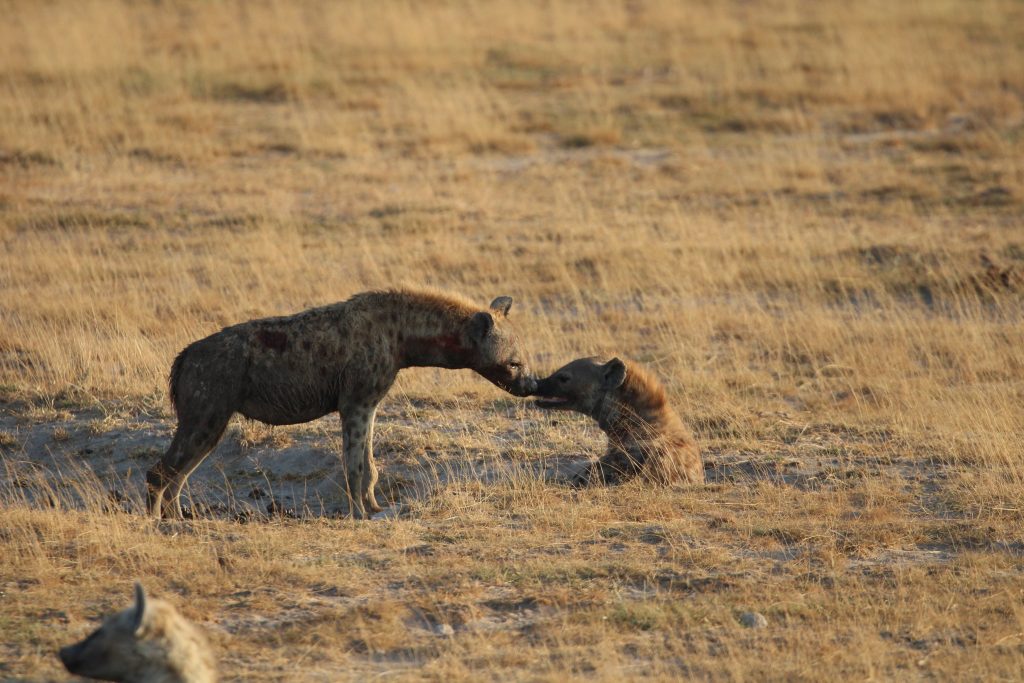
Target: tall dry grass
x=805, y=217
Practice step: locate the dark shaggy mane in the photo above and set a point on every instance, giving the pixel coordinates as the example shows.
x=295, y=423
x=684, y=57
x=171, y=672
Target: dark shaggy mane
x=447, y=304
x=641, y=389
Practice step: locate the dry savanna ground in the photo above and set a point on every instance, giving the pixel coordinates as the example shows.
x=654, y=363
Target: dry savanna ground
x=806, y=217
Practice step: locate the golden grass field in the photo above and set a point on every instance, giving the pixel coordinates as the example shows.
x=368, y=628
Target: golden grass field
x=807, y=218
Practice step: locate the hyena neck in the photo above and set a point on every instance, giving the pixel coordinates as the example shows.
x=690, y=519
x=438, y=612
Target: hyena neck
x=431, y=332
x=633, y=412
x=442, y=350
x=201, y=666
x=618, y=420
x=196, y=668
x=162, y=674
x=194, y=672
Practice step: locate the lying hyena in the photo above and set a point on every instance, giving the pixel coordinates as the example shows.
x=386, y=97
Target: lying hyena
x=645, y=436
x=340, y=358
x=146, y=643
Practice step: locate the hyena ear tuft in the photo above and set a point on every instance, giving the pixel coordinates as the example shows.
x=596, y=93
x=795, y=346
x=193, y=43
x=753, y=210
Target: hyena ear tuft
x=139, y=618
x=614, y=373
x=480, y=325
x=501, y=305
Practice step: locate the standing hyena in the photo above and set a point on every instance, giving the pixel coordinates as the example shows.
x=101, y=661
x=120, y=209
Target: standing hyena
x=339, y=358
x=645, y=436
x=146, y=643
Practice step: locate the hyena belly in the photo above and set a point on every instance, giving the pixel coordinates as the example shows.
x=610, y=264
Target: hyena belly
x=289, y=386
x=255, y=372
x=276, y=406
x=292, y=375
x=295, y=375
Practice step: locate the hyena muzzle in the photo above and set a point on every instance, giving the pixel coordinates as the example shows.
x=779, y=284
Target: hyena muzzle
x=341, y=358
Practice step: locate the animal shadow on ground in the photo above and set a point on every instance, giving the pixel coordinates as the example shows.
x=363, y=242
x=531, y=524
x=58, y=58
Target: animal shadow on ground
x=101, y=463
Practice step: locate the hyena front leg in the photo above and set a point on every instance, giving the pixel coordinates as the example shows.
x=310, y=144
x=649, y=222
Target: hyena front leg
x=371, y=476
x=615, y=467
x=355, y=431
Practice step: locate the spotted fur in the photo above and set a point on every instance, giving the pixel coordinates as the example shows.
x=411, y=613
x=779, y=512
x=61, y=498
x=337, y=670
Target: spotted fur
x=341, y=358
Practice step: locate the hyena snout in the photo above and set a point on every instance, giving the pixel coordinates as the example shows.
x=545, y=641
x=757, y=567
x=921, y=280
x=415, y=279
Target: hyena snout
x=71, y=656
x=523, y=383
x=554, y=395
x=516, y=380
x=548, y=387
x=90, y=660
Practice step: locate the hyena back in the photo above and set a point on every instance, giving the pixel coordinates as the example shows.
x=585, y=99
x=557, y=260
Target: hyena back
x=645, y=435
x=340, y=358
x=149, y=642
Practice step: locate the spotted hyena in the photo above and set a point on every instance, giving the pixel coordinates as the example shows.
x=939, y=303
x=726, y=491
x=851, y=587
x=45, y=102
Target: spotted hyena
x=147, y=643
x=340, y=358
x=645, y=436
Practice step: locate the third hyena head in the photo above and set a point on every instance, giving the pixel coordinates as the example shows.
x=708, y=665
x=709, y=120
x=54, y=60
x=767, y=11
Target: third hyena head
x=580, y=385
x=497, y=352
x=149, y=641
x=111, y=652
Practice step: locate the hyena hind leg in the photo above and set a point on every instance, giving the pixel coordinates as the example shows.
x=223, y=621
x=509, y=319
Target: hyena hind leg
x=192, y=442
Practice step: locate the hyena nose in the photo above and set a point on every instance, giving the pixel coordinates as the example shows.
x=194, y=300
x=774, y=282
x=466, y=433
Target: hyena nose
x=68, y=656
x=530, y=386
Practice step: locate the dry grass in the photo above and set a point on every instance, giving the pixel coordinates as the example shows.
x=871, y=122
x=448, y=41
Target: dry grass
x=805, y=217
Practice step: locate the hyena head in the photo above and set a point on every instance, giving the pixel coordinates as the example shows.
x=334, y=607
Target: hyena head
x=123, y=648
x=497, y=353
x=580, y=385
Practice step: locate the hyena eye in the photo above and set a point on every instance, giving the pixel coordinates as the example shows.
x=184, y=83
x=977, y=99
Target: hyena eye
x=515, y=365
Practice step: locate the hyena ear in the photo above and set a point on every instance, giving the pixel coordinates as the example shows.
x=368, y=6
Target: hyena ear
x=501, y=305
x=614, y=373
x=480, y=325
x=139, y=618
